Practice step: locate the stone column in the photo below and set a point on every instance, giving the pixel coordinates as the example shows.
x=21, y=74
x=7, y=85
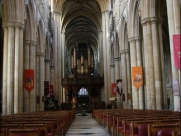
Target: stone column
x=164, y=97
x=16, y=68
x=32, y=66
x=117, y=73
x=20, y=104
x=42, y=79
x=10, y=69
x=128, y=70
x=26, y=97
x=151, y=64
x=5, y=60
x=135, y=96
x=139, y=63
x=121, y=77
x=124, y=78
x=108, y=46
x=104, y=14
x=60, y=58
x=157, y=64
x=173, y=11
x=38, y=79
x=146, y=87
x=100, y=53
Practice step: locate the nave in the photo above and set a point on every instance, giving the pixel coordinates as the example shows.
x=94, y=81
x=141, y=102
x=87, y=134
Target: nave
x=103, y=122
x=86, y=125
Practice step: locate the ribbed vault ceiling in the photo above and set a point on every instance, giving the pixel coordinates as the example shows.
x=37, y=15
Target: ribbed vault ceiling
x=81, y=21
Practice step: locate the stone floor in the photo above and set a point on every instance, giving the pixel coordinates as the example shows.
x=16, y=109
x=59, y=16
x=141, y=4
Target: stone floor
x=86, y=125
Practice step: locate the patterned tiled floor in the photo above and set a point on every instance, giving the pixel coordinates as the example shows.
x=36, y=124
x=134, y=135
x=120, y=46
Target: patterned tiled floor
x=86, y=125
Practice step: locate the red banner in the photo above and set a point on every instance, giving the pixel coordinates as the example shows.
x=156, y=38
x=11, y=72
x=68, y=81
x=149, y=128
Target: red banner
x=137, y=77
x=28, y=79
x=51, y=91
x=114, y=89
x=176, y=46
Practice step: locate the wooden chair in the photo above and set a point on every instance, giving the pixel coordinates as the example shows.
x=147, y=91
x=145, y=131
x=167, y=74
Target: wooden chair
x=137, y=126
x=153, y=129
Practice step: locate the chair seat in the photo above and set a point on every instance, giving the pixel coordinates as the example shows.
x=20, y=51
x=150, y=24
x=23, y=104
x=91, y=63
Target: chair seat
x=143, y=130
x=164, y=132
x=49, y=134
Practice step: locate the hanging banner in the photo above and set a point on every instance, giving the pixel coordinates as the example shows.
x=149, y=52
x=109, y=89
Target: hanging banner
x=28, y=79
x=46, y=88
x=51, y=91
x=137, y=77
x=177, y=52
x=114, y=89
x=119, y=86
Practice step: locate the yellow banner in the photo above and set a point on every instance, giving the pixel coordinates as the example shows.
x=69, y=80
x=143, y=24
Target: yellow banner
x=137, y=77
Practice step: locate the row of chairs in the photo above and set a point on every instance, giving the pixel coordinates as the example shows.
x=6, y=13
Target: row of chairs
x=47, y=123
x=133, y=122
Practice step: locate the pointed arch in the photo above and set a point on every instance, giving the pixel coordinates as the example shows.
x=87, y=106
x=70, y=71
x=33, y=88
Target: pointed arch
x=41, y=35
x=30, y=23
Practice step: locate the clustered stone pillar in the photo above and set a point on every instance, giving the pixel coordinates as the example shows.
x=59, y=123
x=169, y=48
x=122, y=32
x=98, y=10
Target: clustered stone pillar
x=135, y=95
x=100, y=53
x=32, y=66
x=128, y=67
x=139, y=63
x=5, y=58
x=117, y=76
x=153, y=68
x=173, y=11
x=157, y=64
x=42, y=78
x=105, y=92
x=29, y=63
x=12, y=64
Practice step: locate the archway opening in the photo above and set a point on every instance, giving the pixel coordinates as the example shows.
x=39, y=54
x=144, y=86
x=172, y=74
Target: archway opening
x=83, y=96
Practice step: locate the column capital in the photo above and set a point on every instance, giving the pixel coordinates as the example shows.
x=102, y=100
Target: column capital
x=105, y=11
x=57, y=13
x=155, y=19
x=131, y=39
x=124, y=51
x=13, y=24
x=30, y=42
x=145, y=21
x=136, y=38
x=151, y=20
